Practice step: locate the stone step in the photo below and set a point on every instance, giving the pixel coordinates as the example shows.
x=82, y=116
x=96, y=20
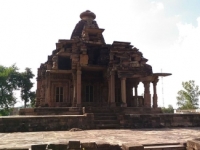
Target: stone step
x=104, y=114
x=106, y=121
x=107, y=126
x=99, y=111
x=105, y=117
x=97, y=108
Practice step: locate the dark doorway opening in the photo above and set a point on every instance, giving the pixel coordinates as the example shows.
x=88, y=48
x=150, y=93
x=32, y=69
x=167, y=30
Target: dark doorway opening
x=64, y=63
x=89, y=93
x=59, y=94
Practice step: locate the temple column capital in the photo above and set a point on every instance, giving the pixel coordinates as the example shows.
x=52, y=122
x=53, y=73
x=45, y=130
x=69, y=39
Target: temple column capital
x=146, y=86
x=155, y=81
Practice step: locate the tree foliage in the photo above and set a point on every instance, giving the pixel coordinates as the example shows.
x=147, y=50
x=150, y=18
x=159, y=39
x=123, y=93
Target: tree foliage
x=188, y=98
x=25, y=84
x=170, y=109
x=5, y=111
x=9, y=78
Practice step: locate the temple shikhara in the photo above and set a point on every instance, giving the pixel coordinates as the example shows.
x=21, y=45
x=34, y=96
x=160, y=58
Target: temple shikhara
x=85, y=71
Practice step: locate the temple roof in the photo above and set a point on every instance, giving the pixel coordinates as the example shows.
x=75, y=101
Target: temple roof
x=85, y=16
x=78, y=29
x=87, y=26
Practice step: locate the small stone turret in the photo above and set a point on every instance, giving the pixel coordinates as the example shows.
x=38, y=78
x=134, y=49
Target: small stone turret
x=87, y=15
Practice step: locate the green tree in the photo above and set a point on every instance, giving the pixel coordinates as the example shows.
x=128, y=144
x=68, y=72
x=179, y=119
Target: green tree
x=188, y=98
x=26, y=84
x=5, y=111
x=9, y=77
x=170, y=109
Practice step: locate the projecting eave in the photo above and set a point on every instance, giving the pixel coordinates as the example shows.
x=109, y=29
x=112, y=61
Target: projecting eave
x=162, y=74
x=94, y=30
x=120, y=43
x=154, y=77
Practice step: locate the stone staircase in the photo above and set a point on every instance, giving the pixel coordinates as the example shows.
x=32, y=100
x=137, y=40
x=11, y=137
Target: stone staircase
x=105, y=118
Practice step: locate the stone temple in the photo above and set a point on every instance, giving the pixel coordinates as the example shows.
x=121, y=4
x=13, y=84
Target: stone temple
x=87, y=84
x=85, y=71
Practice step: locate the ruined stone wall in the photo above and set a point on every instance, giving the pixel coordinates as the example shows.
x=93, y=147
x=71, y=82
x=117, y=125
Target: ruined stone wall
x=52, y=111
x=45, y=123
x=132, y=121
x=77, y=145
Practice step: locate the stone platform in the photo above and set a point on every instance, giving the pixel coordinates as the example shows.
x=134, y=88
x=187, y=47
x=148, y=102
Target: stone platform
x=88, y=109
x=51, y=111
x=113, y=137
x=96, y=120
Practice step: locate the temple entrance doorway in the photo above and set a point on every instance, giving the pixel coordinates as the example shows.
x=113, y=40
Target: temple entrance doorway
x=94, y=88
x=89, y=94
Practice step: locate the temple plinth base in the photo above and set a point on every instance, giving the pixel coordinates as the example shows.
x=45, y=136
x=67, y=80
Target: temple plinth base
x=112, y=104
x=124, y=105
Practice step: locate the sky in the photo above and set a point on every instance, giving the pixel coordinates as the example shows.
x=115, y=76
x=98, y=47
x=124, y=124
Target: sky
x=167, y=32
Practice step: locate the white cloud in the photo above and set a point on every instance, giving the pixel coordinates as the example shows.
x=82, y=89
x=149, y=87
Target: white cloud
x=156, y=6
x=160, y=5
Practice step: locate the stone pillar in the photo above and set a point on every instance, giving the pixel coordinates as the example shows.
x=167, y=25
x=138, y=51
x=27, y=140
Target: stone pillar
x=129, y=93
x=147, y=95
x=123, y=91
x=112, y=89
x=109, y=90
x=155, y=97
x=111, y=57
x=74, y=87
x=136, y=94
x=78, y=88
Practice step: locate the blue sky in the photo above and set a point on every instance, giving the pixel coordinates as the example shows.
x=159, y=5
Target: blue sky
x=187, y=9
x=167, y=32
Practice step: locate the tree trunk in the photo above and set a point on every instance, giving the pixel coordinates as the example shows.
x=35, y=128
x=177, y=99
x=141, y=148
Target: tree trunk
x=24, y=104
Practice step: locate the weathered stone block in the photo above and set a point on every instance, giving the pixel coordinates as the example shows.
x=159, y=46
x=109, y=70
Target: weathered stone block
x=89, y=146
x=114, y=147
x=132, y=146
x=39, y=147
x=103, y=146
x=84, y=59
x=74, y=145
x=57, y=146
x=193, y=144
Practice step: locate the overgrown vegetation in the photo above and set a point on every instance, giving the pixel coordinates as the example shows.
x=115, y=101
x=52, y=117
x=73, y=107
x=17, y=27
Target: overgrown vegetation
x=25, y=85
x=170, y=109
x=11, y=80
x=5, y=111
x=188, y=98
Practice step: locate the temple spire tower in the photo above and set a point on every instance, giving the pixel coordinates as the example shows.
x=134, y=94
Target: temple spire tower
x=88, y=30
